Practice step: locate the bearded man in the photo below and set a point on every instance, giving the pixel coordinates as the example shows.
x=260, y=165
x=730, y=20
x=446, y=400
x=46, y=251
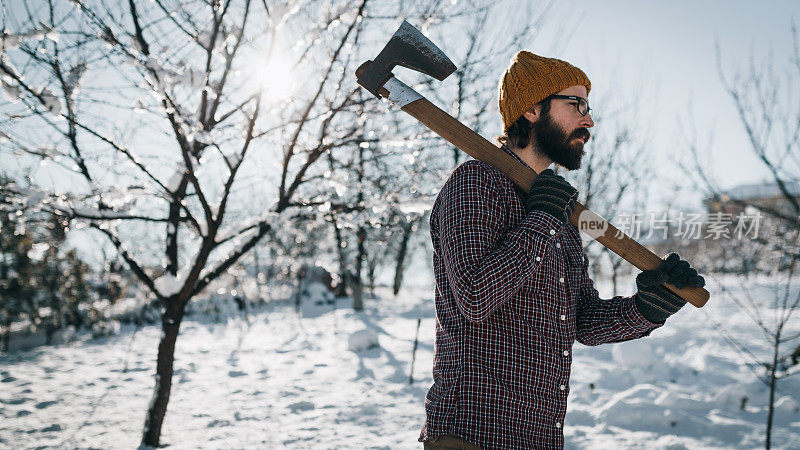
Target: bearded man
x=512, y=286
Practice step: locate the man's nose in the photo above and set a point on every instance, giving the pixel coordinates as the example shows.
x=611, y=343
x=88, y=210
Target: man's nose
x=587, y=121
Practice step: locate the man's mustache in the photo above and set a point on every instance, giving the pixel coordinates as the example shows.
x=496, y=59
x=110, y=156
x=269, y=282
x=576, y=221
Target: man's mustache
x=581, y=133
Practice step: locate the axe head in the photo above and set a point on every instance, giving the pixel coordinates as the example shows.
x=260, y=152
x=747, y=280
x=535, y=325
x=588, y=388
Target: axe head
x=408, y=47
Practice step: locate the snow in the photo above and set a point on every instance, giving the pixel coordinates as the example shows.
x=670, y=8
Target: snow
x=204, y=38
x=282, y=11
x=414, y=208
x=90, y=212
x=34, y=197
x=191, y=77
x=233, y=158
x=38, y=250
x=315, y=299
x=49, y=100
x=362, y=340
x=13, y=40
x=168, y=285
x=12, y=90
x=280, y=379
x=74, y=78
x=174, y=181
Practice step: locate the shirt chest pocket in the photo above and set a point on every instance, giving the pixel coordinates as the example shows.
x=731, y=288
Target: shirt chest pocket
x=576, y=262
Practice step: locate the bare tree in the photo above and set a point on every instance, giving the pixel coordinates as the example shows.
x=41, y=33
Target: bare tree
x=161, y=126
x=765, y=99
x=70, y=67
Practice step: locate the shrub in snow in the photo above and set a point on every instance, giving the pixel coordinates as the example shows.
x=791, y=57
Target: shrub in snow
x=314, y=299
x=151, y=313
x=315, y=274
x=67, y=334
x=136, y=311
x=362, y=340
x=215, y=306
x=105, y=328
x=787, y=405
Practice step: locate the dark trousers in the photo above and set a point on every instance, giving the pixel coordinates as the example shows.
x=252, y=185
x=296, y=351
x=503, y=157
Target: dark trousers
x=449, y=442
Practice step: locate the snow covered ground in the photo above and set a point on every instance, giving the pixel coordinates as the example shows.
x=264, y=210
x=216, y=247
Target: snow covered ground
x=285, y=380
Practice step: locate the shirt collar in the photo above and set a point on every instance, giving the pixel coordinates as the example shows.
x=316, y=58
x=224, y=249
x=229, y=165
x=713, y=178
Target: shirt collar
x=507, y=150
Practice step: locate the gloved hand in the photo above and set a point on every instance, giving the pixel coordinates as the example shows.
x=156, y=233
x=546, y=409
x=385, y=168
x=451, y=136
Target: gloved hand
x=552, y=194
x=657, y=303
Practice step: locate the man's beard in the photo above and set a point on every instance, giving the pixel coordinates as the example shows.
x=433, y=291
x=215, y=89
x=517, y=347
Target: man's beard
x=553, y=142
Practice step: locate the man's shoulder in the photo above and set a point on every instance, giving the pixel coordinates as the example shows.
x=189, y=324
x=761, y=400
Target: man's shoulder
x=476, y=172
x=470, y=181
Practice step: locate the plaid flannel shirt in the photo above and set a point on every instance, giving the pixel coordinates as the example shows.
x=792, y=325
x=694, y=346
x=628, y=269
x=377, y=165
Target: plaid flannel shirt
x=512, y=295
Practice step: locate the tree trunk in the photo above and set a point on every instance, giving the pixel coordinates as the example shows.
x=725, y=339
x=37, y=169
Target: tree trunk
x=401, y=257
x=6, y=339
x=772, y=381
x=358, y=284
x=358, y=294
x=49, y=331
x=170, y=324
x=344, y=277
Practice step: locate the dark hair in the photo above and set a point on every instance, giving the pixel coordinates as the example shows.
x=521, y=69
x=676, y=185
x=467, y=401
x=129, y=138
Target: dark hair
x=520, y=132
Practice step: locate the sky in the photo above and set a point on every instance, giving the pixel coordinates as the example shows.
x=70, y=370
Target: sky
x=666, y=51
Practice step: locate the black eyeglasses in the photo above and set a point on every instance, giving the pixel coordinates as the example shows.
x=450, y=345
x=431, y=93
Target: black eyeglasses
x=582, y=106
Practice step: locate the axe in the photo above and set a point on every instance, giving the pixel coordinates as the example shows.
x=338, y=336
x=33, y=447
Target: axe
x=408, y=47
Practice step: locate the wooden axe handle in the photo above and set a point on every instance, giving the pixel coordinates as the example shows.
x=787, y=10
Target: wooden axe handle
x=479, y=148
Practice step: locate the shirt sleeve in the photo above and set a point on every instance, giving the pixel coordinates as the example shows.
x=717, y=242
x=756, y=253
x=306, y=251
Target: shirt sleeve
x=601, y=321
x=486, y=264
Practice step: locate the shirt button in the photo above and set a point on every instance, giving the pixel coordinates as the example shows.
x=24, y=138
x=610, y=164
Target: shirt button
x=552, y=231
x=538, y=258
x=566, y=352
x=561, y=280
x=558, y=245
x=562, y=387
x=563, y=317
x=558, y=424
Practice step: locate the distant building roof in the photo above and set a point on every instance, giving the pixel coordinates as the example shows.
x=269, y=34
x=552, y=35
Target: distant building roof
x=761, y=190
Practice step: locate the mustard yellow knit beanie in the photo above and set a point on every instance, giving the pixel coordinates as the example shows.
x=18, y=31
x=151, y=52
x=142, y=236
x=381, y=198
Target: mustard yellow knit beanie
x=532, y=78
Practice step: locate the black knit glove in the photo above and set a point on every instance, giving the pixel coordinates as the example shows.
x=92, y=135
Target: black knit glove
x=552, y=194
x=657, y=303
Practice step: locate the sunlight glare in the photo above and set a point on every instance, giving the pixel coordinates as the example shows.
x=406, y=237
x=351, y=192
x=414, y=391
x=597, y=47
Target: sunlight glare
x=276, y=78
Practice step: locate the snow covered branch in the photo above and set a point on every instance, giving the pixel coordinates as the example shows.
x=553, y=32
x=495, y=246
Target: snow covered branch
x=134, y=266
x=249, y=239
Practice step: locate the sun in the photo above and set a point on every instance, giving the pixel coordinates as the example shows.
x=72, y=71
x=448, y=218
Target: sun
x=276, y=78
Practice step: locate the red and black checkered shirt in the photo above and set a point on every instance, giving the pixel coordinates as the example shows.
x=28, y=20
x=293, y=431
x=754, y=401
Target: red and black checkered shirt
x=512, y=295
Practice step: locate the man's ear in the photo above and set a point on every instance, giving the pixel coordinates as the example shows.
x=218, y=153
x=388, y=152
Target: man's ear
x=532, y=114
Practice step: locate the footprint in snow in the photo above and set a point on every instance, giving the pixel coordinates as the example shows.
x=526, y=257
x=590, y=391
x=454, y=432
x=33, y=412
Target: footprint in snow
x=43, y=405
x=236, y=373
x=301, y=406
x=218, y=423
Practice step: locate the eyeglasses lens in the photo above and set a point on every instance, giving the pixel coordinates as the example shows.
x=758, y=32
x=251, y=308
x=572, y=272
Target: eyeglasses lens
x=583, y=106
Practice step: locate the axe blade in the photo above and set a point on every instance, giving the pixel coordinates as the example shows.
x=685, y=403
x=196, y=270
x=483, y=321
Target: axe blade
x=408, y=47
